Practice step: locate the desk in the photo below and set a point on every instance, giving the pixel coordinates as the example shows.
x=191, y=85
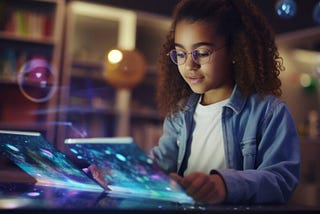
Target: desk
x=29, y=198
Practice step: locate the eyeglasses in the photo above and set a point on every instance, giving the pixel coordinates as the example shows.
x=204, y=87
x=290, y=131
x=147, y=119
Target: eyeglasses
x=200, y=56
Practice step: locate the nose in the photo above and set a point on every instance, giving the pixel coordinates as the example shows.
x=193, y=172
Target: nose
x=190, y=64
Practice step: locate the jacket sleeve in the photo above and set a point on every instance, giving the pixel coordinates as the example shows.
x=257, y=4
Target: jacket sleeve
x=166, y=153
x=276, y=172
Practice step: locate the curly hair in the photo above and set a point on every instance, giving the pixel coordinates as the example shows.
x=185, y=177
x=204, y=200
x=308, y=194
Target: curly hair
x=251, y=43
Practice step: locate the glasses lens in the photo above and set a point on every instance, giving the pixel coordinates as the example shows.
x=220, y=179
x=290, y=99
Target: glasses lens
x=201, y=56
x=178, y=57
x=173, y=56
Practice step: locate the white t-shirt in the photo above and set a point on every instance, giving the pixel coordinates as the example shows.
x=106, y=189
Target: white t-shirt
x=207, y=147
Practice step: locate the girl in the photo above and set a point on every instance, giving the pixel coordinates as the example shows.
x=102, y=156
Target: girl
x=227, y=136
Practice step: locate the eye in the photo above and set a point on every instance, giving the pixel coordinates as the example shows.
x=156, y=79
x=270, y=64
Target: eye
x=201, y=53
x=180, y=54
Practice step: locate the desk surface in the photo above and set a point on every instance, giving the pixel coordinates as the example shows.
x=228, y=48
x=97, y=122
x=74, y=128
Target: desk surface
x=29, y=198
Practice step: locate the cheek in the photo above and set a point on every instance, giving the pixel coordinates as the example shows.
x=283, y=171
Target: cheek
x=181, y=72
x=216, y=72
x=221, y=66
x=211, y=70
x=180, y=69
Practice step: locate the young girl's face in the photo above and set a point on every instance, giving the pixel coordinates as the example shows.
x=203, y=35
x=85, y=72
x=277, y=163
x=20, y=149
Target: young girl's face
x=209, y=77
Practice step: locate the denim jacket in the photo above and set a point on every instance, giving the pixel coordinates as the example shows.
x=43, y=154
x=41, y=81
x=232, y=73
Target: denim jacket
x=261, y=148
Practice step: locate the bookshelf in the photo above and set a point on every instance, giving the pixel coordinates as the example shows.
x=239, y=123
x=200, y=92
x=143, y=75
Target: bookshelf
x=94, y=107
x=30, y=54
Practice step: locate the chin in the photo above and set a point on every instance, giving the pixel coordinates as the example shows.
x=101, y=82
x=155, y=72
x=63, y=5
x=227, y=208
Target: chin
x=197, y=90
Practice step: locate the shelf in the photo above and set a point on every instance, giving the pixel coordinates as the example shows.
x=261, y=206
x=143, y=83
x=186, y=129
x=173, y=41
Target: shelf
x=145, y=114
x=110, y=110
x=87, y=109
x=18, y=38
x=90, y=64
x=4, y=80
x=29, y=29
x=26, y=126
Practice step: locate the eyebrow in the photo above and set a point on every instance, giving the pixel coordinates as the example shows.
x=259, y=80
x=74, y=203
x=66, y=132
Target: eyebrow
x=196, y=45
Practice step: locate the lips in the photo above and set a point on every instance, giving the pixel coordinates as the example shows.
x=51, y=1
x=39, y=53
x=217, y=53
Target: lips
x=195, y=80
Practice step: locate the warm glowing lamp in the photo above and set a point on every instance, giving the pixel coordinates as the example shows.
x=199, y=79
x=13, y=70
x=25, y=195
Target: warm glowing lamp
x=124, y=68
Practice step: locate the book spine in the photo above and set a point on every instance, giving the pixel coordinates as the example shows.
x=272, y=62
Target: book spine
x=29, y=24
x=9, y=65
x=12, y=61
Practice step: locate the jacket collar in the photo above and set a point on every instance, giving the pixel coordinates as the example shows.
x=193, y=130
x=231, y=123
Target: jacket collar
x=237, y=100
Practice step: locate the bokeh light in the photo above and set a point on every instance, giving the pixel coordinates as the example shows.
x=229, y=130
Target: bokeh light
x=286, y=8
x=308, y=83
x=316, y=13
x=115, y=56
x=305, y=80
x=36, y=80
x=124, y=68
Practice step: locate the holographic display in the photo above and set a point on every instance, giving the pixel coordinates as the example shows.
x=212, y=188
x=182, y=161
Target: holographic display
x=37, y=157
x=127, y=169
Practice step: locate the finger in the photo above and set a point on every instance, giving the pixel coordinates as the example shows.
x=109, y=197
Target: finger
x=212, y=192
x=176, y=177
x=195, y=184
x=205, y=193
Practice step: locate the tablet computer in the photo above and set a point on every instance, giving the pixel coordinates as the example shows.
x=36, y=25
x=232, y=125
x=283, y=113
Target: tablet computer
x=40, y=159
x=126, y=168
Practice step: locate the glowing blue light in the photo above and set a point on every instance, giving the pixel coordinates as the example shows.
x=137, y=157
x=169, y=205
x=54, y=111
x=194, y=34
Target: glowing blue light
x=121, y=157
x=168, y=189
x=286, y=8
x=149, y=161
x=47, y=153
x=74, y=151
x=316, y=13
x=13, y=148
x=33, y=194
x=108, y=152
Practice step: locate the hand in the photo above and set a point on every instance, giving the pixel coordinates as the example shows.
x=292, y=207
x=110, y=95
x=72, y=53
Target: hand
x=97, y=175
x=203, y=187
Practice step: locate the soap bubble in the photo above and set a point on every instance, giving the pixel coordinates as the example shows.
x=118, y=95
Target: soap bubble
x=286, y=8
x=316, y=13
x=36, y=80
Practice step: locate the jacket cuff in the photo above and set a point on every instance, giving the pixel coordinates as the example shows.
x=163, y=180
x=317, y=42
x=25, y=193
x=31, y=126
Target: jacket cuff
x=235, y=187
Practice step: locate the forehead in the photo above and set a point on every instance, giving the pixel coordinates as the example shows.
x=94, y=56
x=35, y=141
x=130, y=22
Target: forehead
x=188, y=33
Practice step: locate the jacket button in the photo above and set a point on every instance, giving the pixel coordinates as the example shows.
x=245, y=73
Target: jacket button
x=178, y=142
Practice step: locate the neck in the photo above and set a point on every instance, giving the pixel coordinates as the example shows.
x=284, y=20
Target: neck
x=216, y=95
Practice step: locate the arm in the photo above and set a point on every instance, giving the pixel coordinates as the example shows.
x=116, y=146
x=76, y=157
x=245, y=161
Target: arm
x=276, y=169
x=270, y=178
x=166, y=153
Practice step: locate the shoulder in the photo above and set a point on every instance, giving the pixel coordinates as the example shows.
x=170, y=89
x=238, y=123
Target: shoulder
x=268, y=103
x=254, y=102
x=269, y=110
x=267, y=100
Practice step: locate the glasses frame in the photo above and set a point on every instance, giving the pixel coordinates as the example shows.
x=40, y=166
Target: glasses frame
x=192, y=53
